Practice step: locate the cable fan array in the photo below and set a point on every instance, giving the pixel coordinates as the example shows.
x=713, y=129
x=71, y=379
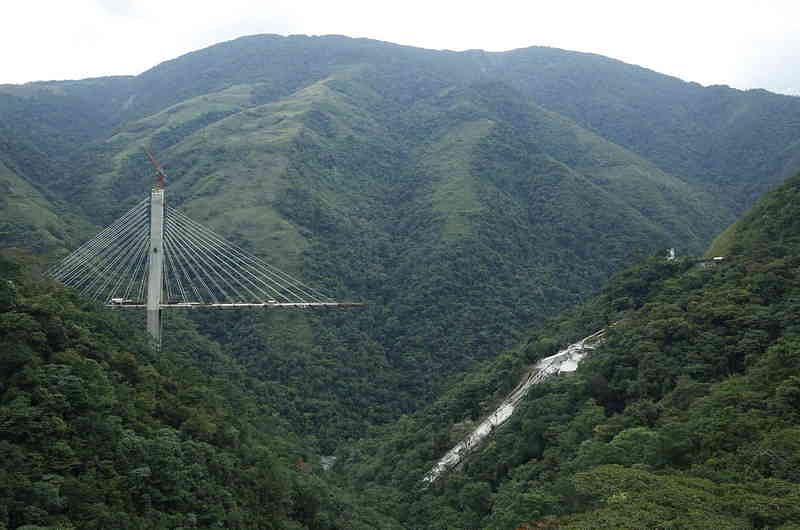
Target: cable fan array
x=113, y=264
x=200, y=267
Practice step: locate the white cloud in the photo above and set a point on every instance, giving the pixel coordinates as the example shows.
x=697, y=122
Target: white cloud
x=738, y=42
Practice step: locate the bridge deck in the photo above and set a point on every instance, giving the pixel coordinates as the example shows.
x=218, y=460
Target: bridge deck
x=276, y=305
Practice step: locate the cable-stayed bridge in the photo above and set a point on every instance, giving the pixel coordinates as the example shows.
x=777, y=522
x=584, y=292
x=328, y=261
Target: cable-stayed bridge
x=155, y=257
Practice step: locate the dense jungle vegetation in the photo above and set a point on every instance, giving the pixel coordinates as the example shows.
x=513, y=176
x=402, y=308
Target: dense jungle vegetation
x=467, y=198
x=463, y=196
x=686, y=417
x=97, y=431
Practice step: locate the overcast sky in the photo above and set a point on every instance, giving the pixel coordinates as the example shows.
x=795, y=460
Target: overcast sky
x=742, y=43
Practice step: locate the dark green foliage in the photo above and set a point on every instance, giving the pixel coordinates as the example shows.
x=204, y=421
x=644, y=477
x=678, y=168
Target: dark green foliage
x=165, y=139
x=685, y=417
x=97, y=432
x=451, y=280
x=463, y=196
x=738, y=144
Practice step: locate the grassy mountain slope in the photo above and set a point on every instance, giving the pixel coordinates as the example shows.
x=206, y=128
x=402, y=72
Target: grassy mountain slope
x=29, y=221
x=45, y=128
x=348, y=185
x=96, y=431
x=439, y=187
x=724, y=139
x=25, y=216
x=686, y=416
x=771, y=227
x=470, y=224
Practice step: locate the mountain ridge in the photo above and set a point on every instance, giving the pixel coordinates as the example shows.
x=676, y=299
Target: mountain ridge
x=462, y=205
x=467, y=208
x=684, y=415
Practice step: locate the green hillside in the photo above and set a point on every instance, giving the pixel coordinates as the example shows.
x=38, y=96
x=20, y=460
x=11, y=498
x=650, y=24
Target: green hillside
x=736, y=144
x=480, y=221
x=726, y=140
x=98, y=432
x=460, y=195
x=467, y=198
x=25, y=215
x=30, y=221
x=685, y=417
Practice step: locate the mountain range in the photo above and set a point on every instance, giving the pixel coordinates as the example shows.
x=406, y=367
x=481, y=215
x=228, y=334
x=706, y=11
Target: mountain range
x=685, y=416
x=466, y=197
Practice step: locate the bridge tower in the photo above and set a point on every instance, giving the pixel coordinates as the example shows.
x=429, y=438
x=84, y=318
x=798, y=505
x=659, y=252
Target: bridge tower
x=155, y=257
x=155, y=272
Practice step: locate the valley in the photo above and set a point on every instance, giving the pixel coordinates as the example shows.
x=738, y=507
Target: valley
x=491, y=209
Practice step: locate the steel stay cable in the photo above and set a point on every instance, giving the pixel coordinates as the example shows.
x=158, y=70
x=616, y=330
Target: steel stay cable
x=197, y=259
x=236, y=281
x=268, y=284
x=128, y=267
x=110, y=269
x=232, y=267
x=166, y=282
x=98, y=251
x=215, y=266
x=92, y=270
x=91, y=244
x=79, y=281
x=124, y=264
x=139, y=269
x=108, y=234
x=176, y=272
x=184, y=253
x=168, y=272
x=271, y=270
x=107, y=260
x=290, y=284
x=224, y=263
x=180, y=272
x=182, y=258
x=169, y=249
x=187, y=261
x=145, y=275
x=105, y=252
x=207, y=269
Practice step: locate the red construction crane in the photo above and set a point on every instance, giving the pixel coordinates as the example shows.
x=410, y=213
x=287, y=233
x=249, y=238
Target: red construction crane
x=160, y=175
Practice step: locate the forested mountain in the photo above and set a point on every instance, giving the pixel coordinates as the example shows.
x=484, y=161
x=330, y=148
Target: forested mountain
x=97, y=431
x=26, y=217
x=463, y=196
x=686, y=416
x=466, y=197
